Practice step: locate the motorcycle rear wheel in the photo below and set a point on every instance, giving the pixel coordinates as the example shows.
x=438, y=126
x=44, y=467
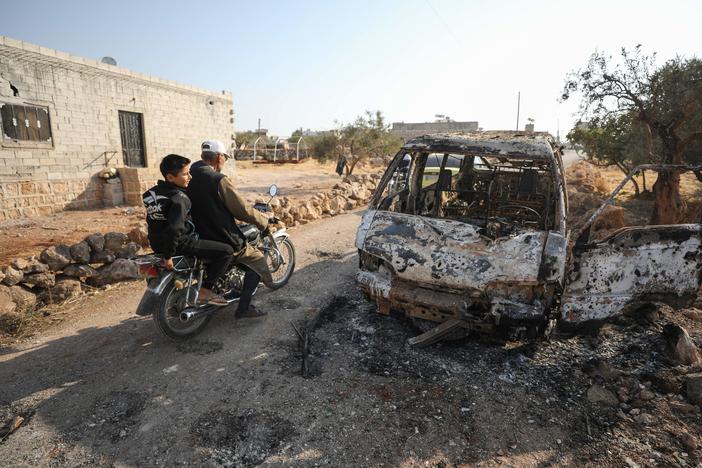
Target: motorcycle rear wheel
x=166, y=315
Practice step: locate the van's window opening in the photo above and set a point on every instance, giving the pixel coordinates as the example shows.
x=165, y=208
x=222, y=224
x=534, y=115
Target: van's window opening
x=497, y=193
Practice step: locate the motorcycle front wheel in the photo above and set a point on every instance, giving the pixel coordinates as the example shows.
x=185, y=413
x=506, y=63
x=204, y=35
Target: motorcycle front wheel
x=166, y=315
x=281, y=268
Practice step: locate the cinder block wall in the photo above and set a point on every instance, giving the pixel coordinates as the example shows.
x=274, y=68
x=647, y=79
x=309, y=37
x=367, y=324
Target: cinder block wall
x=83, y=97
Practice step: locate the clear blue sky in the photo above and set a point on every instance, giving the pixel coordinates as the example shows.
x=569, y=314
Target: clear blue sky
x=311, y=63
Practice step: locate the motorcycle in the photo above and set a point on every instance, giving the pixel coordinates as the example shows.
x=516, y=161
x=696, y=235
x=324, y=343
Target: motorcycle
x=171, y=295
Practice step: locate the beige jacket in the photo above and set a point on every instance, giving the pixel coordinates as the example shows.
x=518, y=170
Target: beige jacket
x=237, y=205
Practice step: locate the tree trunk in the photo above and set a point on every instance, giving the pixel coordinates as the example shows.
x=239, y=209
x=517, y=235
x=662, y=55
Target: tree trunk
x=350, y=165
x=669, y=207
x=626, y=171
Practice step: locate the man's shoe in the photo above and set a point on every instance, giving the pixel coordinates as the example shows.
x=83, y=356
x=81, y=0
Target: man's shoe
x=210, y=298
x=251, y=312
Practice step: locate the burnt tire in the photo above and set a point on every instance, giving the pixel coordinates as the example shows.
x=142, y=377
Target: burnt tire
x=166, y=315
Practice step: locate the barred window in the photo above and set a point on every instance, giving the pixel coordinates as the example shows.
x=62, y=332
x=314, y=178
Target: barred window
x=25, y=123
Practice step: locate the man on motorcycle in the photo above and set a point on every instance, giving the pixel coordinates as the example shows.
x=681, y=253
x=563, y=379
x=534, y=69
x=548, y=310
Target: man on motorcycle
x=216, y=206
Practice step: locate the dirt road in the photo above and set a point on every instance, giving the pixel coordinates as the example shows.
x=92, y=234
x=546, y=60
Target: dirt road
x=105, y=389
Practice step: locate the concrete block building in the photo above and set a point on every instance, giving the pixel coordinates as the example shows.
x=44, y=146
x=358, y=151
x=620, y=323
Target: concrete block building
x=412, y=130
x=65, y=118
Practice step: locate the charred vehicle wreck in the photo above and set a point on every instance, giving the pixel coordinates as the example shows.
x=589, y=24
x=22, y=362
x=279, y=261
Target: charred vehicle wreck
x=485, y=247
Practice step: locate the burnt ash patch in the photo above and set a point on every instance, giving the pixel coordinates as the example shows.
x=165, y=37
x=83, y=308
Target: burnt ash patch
x=532, y=387
x=241, y=439
x=199, y=347
x=112, y=416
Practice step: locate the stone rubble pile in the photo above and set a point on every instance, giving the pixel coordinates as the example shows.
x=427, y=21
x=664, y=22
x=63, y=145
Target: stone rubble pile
x=352, y=192
x=61, y=271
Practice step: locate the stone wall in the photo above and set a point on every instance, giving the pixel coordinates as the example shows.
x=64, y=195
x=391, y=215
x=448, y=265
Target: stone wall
x=83, y=98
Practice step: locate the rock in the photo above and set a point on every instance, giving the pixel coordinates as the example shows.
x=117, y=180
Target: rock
x=139, y=235
x=623, y=395
x=115, y=240
x=19, y=264
x=26, y=300
x=7, y=303
x=56, y=257
x=688, y=441
x=96, y=242
x=598, y=368
x=613, y=217
x=693, y=387
x=681, y=346
x=128, y=251
x=11, y=322
x=600, y=395
x=683, y=407
x=102, y=256
x=65, y=289
x=35, y=266
x=646, y=313
x=12, y=276
x=349, y=205
x=646, y=395
x=120, y=270
x=692, y=314
x=80, y=252
x=645, y=419
x=39, y=280
x=75, y=270
x=337, y=203
x=2, y=276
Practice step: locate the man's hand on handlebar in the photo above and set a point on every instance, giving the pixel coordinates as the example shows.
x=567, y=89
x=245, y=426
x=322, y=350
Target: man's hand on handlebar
x=168, y=263
x=271, y=221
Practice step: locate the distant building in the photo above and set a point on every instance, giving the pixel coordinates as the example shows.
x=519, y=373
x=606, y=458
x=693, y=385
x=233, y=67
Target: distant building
x=65, y=119
x=411, y=130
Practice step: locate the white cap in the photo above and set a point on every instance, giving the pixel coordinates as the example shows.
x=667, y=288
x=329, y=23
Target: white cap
x=214, y=146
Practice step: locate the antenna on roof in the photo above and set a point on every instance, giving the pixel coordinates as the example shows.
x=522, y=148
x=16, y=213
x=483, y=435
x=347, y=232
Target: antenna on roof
x=109, y=61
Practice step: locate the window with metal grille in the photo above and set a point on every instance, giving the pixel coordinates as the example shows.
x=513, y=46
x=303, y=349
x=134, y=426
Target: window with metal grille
x=25, y=123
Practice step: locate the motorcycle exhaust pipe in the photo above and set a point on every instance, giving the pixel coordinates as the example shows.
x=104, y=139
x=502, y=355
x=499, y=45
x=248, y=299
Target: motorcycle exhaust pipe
x=190, y=314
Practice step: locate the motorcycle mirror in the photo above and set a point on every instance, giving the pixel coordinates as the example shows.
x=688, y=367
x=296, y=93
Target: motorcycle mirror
x=273, y=190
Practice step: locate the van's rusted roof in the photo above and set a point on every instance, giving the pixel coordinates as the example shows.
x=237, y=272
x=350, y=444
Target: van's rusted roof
x=509, y=145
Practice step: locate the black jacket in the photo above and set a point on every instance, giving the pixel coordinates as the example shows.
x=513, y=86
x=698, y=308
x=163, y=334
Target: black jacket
x=168, y=218
x=212, y=219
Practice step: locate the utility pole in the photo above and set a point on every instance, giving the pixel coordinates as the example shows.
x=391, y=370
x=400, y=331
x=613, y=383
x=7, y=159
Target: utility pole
x=259, y=126
x=519, y=98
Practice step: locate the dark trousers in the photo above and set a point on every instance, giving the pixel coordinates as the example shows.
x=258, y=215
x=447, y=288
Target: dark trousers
x=251, y=280
x=217, y=254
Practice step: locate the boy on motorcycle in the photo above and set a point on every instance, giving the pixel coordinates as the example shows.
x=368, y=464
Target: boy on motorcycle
x=172, y=232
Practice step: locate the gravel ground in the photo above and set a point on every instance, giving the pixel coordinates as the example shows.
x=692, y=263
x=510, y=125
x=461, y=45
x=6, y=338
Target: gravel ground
x=103, y=388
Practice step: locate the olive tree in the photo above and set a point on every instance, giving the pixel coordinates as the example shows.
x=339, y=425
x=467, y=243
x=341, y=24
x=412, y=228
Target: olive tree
x=665, y=101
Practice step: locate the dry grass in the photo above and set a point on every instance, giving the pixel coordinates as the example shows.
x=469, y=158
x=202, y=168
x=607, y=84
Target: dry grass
x=590, y=185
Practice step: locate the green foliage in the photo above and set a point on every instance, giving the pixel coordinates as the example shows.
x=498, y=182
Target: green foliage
x=246, y=139
x=324, y=146
x=367, y=137
x=665, y=102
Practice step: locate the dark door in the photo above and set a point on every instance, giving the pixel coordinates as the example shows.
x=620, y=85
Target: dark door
x=132, y=132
